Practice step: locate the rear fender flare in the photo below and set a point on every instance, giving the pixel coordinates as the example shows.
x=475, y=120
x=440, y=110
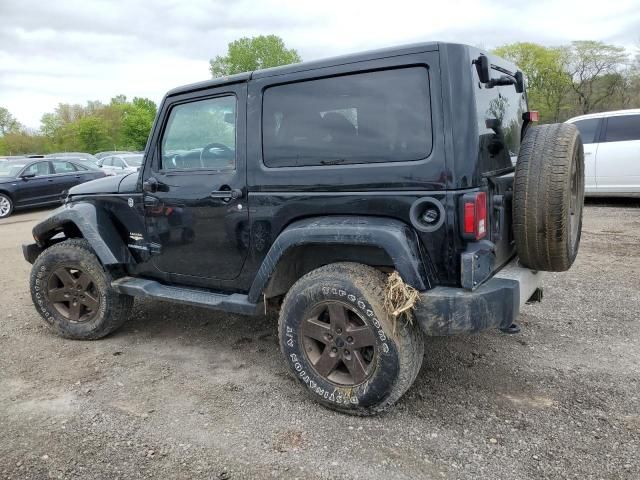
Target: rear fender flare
x=396, y=238
x=95, y=226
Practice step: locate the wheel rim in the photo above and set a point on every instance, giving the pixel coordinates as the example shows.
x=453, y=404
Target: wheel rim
x=339, y=344
x=575, y=203
x=5, y=206
x=73, y=294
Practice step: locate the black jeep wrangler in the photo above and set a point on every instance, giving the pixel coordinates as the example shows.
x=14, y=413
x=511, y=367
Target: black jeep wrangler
x=304, y=188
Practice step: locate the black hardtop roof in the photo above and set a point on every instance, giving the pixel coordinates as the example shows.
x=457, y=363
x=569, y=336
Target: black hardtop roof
x=340, y=60
x=299, y=67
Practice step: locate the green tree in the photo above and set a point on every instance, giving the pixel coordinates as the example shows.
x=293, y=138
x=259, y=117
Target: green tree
x=248, y=54
x=137, y=122
x=594, y=68
x=545, y=69
x=8, y=123
x=91, y=133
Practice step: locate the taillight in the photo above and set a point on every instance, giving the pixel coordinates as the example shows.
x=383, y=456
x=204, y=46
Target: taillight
x=531, y=116
x=474, y=212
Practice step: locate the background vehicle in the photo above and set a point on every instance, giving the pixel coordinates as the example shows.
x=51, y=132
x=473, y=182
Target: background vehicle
x=101, y=155
x=336, y=192
x=124, y=163
x=612, y=152
x=37, y=182
x=82, y=155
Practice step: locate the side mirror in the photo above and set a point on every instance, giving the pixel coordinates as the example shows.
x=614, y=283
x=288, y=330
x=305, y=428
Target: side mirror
x=520, y=82
x=27, y=176
x=484, y=68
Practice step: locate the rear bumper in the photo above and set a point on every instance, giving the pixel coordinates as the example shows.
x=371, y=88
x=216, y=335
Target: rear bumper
x=494, y=304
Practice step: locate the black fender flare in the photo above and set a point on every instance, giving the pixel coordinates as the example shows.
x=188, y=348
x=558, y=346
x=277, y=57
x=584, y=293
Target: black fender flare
x=95, y=225
x=396, y=238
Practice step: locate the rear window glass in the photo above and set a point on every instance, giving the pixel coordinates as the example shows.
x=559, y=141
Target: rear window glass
x=623, y=128
x=499, y=115
x=588, y=129
x=372, y=117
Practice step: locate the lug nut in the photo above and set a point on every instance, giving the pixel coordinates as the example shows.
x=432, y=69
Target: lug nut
x=346, y=352
x=350, y=339
x=338, y=330
x=329, y=336
x=334, y=349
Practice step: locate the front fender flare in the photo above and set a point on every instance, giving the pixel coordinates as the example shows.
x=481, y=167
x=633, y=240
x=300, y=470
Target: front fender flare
x=393, y=236
x=95, y=225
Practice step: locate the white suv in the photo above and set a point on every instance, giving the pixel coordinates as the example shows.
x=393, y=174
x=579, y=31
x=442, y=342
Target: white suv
x=611, y=152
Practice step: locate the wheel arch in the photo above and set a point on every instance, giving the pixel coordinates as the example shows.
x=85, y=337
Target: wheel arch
x=88, y=221
x=305, y=245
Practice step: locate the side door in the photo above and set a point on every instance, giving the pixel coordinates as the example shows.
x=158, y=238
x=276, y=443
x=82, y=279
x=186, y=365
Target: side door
x=36, y=184
x=590, y=132
x=65, y=175
x=195, y=188
x=618, y=160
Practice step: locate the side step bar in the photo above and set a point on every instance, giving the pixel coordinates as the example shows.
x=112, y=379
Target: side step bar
x=144, y=288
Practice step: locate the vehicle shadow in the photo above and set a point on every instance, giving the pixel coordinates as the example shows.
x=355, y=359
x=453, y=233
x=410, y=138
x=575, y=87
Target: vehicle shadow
x=455, y=369
x=614, y=202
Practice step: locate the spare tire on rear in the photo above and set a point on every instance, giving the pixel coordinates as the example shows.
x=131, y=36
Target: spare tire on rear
x=548, y=197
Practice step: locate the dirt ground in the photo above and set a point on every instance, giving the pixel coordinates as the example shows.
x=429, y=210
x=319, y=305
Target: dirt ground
x=182, y=392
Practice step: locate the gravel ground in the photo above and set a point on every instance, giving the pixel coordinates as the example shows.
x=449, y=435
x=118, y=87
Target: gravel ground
x=182, y=392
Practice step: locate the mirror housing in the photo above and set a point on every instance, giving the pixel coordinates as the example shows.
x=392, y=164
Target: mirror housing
x=520, y=85
x=27, y=176
x=483, y=67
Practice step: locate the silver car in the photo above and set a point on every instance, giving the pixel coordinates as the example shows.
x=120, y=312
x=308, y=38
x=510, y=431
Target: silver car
x=119, y=164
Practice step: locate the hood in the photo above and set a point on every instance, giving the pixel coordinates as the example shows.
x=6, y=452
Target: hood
x=116, y=184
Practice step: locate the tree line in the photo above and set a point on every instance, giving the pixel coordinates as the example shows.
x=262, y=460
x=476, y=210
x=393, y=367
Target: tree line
x=563, y=81
x=579, y=78
x=118, y=125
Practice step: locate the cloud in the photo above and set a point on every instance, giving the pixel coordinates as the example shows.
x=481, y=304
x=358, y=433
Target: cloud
x=72, y=51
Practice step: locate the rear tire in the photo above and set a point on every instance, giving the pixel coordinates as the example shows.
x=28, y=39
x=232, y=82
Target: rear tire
x=73, y=294
x=548, y=197
x=340, y=342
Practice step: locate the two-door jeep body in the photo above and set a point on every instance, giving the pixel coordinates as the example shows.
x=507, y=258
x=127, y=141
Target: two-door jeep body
x=304, y=187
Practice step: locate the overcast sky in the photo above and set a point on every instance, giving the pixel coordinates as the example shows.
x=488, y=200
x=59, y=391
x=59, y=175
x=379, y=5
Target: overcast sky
x=72, y=51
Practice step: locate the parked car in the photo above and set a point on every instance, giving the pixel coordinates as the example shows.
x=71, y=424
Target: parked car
x=101, y=155
x=123, y=163
x=38, y=182
x=612, y=152
x=336, y=193
x=83, y=155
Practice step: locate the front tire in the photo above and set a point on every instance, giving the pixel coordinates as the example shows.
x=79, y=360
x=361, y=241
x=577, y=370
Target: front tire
x=6, y=205
x=73, y=294
x=341, y=343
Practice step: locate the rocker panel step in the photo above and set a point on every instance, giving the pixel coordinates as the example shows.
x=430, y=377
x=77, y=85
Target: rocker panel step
x=145, y=288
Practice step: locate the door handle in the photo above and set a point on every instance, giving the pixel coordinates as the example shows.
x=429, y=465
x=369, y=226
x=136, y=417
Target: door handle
x=588, y=153
x=78, y=176
x=150, y=201
x=228, y=194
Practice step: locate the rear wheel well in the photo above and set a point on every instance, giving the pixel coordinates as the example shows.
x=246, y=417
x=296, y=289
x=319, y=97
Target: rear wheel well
x=298, y=261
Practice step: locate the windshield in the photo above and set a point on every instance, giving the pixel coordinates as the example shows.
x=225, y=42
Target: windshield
x=134, y=160
x=10, y=169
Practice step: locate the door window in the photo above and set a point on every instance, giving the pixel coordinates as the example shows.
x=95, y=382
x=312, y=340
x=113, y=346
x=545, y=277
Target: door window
x=117, y=163
x=60, y=166
x=201, y=135
x=588, y=129
x=107, y=162
x=623, y=128
x=381, y=116
x=38, y=169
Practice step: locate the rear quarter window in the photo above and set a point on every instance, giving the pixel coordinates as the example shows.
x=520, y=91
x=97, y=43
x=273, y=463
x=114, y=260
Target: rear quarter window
x=373, y=117
x=623, y=128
